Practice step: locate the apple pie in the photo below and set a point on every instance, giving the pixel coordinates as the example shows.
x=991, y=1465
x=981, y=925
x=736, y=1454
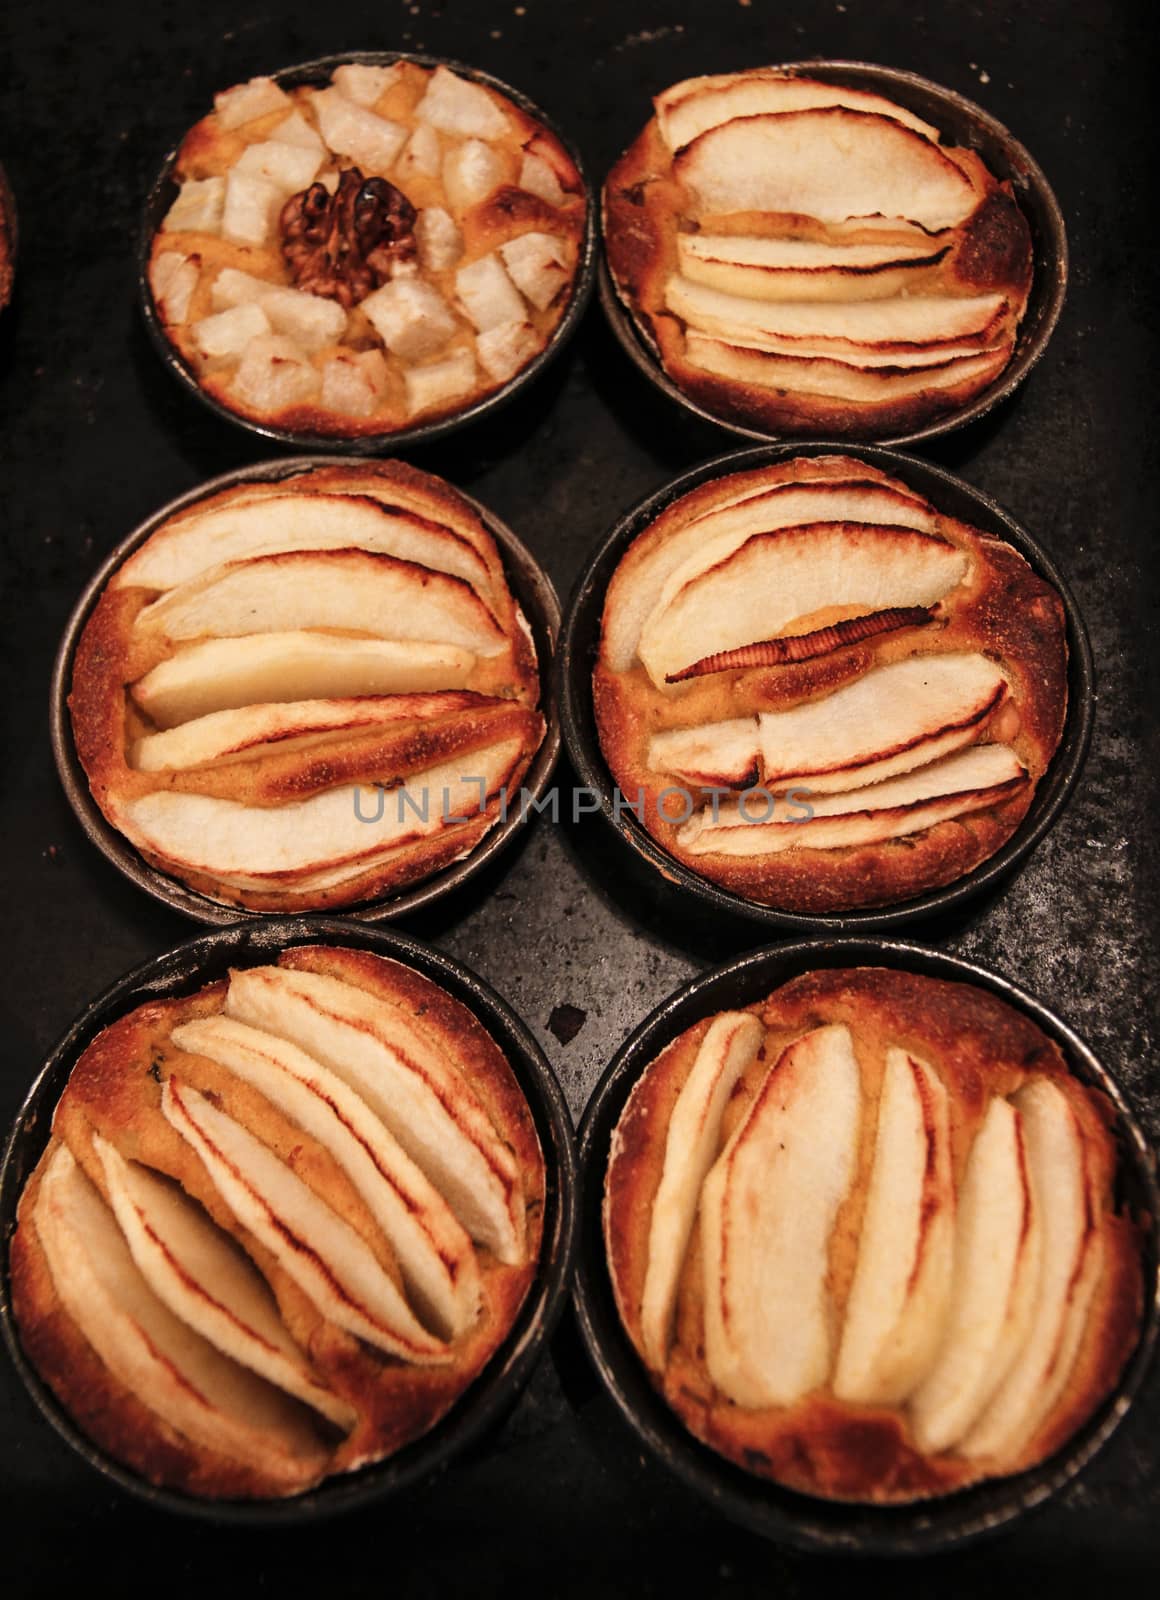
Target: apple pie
x=381, y=250
x=864, y=1237
x=308, y=691
x=806, y=257
x=820, y=692
x=280, y=1225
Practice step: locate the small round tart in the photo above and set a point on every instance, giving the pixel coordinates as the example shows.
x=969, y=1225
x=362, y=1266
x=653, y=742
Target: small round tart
x=821, y=693
x=805, y=257
x=351, y=258
x=863, y=1235
x=308, y=692
x=280, y=1225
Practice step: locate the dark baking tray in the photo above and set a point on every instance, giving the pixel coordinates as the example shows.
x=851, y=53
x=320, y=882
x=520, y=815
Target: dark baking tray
x=766, y=1508
x=537, y=599
x=580, y=639
x=203, y=961
x=164, y=191
x=965, y=124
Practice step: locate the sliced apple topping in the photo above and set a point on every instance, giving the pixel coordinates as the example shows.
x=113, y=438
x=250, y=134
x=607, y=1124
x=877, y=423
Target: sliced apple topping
x=356, y=590
x=721, y=755
x=172, y=1369
x=767, y=1210
x=1070, y=1265
x=206, y=1281
x=830, y=163
x=269, y=668
x=775, y=579
x=698, y=104
x=694, y=1135
x=996, y=1270
x=860, y=379
x=974, y=779
x=787, y=648
x=317, y=1248
x=902, y=1281
x=406, y=1081
x=802, y=269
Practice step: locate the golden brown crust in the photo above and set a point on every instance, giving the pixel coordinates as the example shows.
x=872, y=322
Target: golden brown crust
x=499, y=703
x=980, y=1047
x=115, y=1090
x=646, y=205
x=1002, y=609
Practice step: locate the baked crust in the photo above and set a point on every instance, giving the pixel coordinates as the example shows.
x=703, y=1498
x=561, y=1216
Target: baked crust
x=115, y=1091
x=499, y=702
x=505, y=213
x=979, y=1047
x=1002, y=610
x=646, y=206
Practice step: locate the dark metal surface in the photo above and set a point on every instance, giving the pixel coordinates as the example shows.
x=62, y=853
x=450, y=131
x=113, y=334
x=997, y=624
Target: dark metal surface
x=537, y=599
x=963, y=123
x=164, y=192
x=940, y=1524
x=96, y=435
x=580, y=643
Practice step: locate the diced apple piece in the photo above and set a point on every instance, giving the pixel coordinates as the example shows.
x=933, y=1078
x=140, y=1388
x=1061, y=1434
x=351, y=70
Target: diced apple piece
x=691, y=1147
x=310, y=319
x=487, y=295
x=232, y=287
x=538, y=178
x=505, y=349
x=314, y=1246
x=290, y=167
x=297, y=131
x=173, y=277
x=252, y=207
x=997, y=1248
x=439, y=382
x=455, y=105
x=422, y=156
x=406, y=1081
x=248, y=101
x=198, y=208
x=224, y=674
x=274, y=374
x=362, y=83
x=767, y=1210
x=354, y=382
x=691, y=108
x=206, y=1281
x=434, y=1252
x=227, y=333
x=470, y=172
x=538, y=265
x=411, y=317
x=171, y=1369
x=899, y=1296
x=350, y=130
x=439, y=238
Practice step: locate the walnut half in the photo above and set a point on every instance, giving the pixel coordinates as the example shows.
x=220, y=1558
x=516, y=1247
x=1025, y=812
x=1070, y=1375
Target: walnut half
x=346, y=244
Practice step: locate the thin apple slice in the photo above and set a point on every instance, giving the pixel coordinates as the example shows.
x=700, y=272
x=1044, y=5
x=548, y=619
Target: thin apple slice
x=722, y=755
x=901, y=1288
x=774, y=580
x=351, y=589
x=208, y=1283
x=317, y=1248
x=434, y=1253
x=406, y=1081
x=802, y=269
x=689, y=109
x=169, y=1368
x=871, y=382
x=983, y=775
x=841, y=329
x=263, y=846
x=997, y=1249
x=273, y=668
x=691, y=1147
x=828, y=163
x=1070, y=1265
x=767, y=1209
x=223, y=736
x=275, y=524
